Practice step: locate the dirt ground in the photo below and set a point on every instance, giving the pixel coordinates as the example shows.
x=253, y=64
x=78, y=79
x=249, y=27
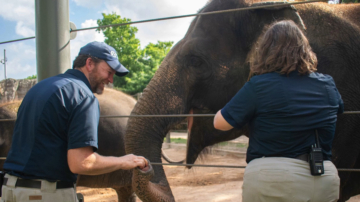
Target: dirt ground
x=197, y=184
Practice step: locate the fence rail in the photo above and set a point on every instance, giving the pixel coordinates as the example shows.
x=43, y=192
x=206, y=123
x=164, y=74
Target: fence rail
x=181, y=16
x=221, y=166
x=167, y=116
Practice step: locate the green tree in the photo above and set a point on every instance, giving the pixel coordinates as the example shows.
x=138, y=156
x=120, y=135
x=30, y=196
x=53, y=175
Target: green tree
x=152, y=56
x=31, y=77
x=142, y=63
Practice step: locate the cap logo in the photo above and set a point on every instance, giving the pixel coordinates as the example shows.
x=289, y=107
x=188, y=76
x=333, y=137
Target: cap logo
x=112, y=53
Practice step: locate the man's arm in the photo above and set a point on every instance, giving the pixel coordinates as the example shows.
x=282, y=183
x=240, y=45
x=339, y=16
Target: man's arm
x=87, y=162
x=220, y=123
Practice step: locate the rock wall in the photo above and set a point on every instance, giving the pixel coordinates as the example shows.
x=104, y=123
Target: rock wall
x=12, y=89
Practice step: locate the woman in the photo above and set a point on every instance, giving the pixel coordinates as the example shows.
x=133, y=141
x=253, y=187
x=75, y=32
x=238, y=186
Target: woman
x=285, y=102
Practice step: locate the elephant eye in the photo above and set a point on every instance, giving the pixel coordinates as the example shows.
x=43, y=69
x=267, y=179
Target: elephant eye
x=195, y=61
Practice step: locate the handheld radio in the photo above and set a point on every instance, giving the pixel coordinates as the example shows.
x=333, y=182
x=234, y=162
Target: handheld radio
x=316, y=158
x=2, y=174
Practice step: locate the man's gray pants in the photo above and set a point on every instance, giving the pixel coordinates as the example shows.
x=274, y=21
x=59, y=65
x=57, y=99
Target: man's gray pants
x=47, y=192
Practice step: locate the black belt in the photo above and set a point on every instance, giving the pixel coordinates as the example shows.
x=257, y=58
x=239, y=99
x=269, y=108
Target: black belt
x=304, y=157
x=37, y=184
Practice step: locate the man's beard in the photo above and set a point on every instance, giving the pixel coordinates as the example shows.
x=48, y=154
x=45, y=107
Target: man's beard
x=96, y=82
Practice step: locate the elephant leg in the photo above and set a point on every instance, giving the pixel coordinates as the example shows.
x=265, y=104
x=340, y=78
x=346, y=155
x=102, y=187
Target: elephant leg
x=126, y=194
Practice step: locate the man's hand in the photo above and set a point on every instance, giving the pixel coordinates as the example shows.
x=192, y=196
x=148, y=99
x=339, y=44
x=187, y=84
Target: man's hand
x=132, y=161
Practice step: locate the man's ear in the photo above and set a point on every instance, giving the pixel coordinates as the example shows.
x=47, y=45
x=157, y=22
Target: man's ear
x=90, y=65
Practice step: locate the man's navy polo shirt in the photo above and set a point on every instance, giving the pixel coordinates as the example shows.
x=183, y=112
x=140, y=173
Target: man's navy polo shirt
x=283, y=113
x=57, y=114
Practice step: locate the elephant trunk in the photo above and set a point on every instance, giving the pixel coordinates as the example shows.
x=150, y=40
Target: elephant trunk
x=148, y=191
x=144, y=137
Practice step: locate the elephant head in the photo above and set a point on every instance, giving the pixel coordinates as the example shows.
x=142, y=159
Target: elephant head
x=200, y=74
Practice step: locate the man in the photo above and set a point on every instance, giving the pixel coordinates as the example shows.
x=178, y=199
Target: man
x=55, y=135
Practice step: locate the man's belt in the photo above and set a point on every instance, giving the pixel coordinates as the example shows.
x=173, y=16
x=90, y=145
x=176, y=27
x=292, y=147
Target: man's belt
x=304, y=157
x=37, y=184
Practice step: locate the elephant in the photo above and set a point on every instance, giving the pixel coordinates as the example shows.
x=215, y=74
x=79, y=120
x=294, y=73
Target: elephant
x=206, y=68
x=110, y=141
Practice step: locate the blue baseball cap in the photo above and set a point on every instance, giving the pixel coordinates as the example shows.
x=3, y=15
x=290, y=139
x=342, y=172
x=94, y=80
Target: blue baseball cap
x=105, y=52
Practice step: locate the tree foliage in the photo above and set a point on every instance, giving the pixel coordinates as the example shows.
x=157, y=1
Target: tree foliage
x=142, y=63
x=31, y=77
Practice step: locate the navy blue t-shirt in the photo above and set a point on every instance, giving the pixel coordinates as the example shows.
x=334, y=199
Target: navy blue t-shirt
x=57, y=114
x=283, y=113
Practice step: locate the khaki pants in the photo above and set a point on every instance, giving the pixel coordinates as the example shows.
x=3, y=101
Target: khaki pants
x=277, y=179
x=48, y=192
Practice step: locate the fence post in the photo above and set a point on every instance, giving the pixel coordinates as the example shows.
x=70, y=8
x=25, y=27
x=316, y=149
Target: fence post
x=168, y=140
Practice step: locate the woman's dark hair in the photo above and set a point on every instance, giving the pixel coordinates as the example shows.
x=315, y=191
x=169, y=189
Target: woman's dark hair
x=282, y=48
x=80, y=60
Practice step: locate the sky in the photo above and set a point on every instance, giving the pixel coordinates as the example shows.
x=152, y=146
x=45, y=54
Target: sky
x=17, y=20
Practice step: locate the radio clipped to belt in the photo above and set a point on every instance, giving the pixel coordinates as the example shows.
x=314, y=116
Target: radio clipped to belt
x=2, y=174
x=316, y=158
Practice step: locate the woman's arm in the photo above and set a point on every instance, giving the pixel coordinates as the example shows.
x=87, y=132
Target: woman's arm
x=220, y=123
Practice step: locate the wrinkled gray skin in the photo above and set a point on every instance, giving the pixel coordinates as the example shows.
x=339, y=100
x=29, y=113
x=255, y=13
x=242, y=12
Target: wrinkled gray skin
x=111, y=142
x=6, y=129
x=208, y=66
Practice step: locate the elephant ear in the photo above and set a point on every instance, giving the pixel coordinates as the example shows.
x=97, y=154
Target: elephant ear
x=298, y=20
